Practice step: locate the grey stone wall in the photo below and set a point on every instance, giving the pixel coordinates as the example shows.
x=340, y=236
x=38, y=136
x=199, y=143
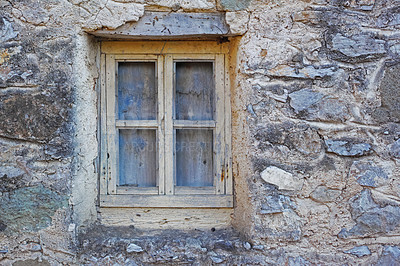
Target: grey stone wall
x=315, y=135
x=322, y=110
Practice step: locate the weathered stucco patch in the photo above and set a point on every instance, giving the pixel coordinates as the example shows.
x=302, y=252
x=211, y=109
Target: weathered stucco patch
x=234, y=5
x=29, y=208
x=111, y=14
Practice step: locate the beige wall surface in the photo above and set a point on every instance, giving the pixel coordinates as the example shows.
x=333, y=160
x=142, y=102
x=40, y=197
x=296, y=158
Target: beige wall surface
x=314, y=127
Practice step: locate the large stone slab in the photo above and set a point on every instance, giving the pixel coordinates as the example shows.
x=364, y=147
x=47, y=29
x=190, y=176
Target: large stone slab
x=368, y=174
x=307, y=72
x=390, y=256
x=370, y=217
x=389, y=111
x=347, y=147
x=303, y=99
x=276, y=204
x=356, y=48
x=359, y=251
x=6, y=30
x=282, y=179
x=324, y=194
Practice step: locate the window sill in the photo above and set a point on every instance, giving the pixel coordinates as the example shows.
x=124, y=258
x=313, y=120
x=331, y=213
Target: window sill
x=167, y=201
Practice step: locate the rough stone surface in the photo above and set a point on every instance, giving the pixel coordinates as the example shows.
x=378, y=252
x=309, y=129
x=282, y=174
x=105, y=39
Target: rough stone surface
x=282, y=179
x=29, y=209
x=358, y=45
x=6, y=32
x=176, y=5
x=368, y=174
x=395, y=149
x=300, y=139
x=324, y=194
x=347, y=147
x=359, y=251
x=232, y=5
x=298, y=261
x=163, y=247
x=112, y=14
x=134, y=248
x=389, y=110
x=370, y=217
x=314, y=98
x=390, y=256
x=389, y=17
x=31, y=262
x=304, y=99
x=313, y=105
x=276, y=204
x=237, y=21
x=307, y=72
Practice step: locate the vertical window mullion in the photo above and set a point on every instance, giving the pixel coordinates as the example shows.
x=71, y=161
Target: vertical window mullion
x=161, y=125
x=219, y=137
x=169, y=129
x=112, y=131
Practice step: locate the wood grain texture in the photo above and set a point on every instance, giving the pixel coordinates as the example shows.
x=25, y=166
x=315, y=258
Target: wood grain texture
x=161, y=125
x=194, y=124
x=166, y=201
x=129, y=190
x=173, y=25
x=136, y=124
x=164, y=47
x=159, y=218
x=228, y=131
x=219, y=137
x=112, y=134
x=169, y=129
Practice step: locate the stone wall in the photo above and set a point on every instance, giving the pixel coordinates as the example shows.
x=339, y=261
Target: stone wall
x=315, y=130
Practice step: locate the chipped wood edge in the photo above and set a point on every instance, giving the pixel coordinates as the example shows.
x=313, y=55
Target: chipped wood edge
x=219, y=144
x=167, y=218
x=228, y=131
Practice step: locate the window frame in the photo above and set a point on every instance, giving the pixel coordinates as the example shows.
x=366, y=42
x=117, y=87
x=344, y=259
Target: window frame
x=166, y=195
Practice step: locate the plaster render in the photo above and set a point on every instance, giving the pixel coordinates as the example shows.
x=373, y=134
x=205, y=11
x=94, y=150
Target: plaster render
x=315, y=136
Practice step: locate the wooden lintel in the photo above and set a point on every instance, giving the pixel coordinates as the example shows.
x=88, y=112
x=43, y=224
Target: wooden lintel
x=166, y=25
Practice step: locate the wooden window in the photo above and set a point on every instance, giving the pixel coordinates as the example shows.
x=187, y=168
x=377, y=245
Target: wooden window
x=165, y=125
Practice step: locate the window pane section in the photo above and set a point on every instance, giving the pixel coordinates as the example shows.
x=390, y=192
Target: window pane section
x=194, y=91
x=137, y=92
x=137, y=157
x=194, y=157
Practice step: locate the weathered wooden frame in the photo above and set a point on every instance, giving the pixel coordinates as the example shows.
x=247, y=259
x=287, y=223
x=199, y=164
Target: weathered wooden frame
x=164, y=53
